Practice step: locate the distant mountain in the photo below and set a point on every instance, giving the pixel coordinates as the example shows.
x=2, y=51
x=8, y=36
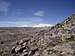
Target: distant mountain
x=42, y=25
x=37, y=25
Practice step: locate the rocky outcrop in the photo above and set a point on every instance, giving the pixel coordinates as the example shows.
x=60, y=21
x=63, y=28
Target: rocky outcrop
x=23, y=48
x=55, y=41
x=58, y=40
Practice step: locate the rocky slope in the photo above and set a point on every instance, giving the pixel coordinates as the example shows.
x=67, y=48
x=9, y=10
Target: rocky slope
x=58, y=40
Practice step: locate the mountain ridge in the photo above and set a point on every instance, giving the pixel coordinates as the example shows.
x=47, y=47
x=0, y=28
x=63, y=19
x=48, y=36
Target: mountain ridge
x=58, y=40
x=54, y=39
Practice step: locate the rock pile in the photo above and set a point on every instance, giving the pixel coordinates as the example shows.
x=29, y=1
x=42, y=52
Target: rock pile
x=57, y=41
x=23, y=49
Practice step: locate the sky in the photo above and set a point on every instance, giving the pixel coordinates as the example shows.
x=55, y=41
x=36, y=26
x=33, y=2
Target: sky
x=15, y=13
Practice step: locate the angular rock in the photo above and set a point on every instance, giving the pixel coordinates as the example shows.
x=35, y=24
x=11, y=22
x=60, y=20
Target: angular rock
x=21, y=42
x=13, y=49
x=24, y=54
x=25, y=50
x=34, y=49
x=36, y=54
x=26, y=39
x=17, y=49
x=24, y=44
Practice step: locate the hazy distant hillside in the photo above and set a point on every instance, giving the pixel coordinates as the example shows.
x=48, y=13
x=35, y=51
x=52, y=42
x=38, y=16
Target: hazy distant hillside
x=58, y=40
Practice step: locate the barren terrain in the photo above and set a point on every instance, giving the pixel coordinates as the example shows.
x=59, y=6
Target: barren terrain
x=58, y=40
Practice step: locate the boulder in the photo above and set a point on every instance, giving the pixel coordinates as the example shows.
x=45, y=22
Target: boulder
x=24, y=54
x=17, y=49
x=21, y=42
x=13, y=49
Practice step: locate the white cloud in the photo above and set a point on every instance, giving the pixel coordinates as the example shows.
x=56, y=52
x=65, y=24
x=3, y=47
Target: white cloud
x=23, y=26
x=28, y=20
x=24, y=22
x=42, y=25
x=4, y=6
x=39, y=13
x=37, y=25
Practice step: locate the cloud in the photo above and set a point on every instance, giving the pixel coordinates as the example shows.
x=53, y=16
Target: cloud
x=30, y=20
x=23, y=22
x=23, y=26
x=39, y=13
x=42, y=25
x=4, y=6
x=37, y=25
